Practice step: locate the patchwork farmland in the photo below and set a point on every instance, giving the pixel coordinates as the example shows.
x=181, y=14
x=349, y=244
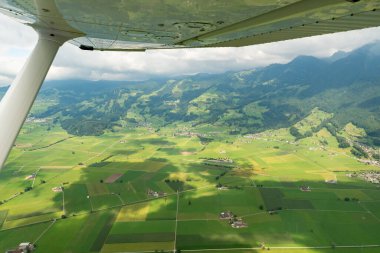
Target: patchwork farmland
x=143, y=191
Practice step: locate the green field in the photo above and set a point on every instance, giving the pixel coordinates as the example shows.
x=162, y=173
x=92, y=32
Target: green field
x=260, y=179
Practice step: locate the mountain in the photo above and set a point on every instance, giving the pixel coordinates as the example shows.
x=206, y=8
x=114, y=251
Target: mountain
x=346, y=85
x=337, y=56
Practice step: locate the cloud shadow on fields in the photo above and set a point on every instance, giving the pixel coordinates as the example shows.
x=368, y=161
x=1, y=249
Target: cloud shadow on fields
x=277, y=212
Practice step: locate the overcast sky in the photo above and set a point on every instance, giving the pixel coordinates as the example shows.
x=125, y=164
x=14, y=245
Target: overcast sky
x=17, y=41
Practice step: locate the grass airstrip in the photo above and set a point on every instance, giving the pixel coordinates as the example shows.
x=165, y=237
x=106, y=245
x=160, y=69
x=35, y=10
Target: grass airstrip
x=105, y=193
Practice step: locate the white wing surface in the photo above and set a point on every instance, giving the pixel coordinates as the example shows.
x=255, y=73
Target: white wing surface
x=153, y=24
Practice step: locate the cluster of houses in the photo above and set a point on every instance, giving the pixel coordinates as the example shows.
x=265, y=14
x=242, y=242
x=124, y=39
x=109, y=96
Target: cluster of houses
x=253, y=136
x=24, y=247
x=366, y=148
x=372, y=176
x=36, y=120
x=189, y=134
x=155, y=194
x=219, y=160
x=266, y=136
x=371, y=152
x=234, y=221
x=260, y=136
x=239, y=223
x=370, y=162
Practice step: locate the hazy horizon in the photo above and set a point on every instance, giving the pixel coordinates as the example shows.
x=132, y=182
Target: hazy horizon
x=17, y=43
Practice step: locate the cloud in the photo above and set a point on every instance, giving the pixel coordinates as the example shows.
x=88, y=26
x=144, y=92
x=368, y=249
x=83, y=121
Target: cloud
x=72, y=63
x=16, y=35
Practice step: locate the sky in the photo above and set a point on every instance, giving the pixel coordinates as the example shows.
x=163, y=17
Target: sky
x=17, y=42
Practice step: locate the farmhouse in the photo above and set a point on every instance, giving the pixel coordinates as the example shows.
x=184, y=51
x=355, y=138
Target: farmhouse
x=226, y=215
x=155, y=194
x=57, y=189
x=30, y=177
x=24, y=247
x=305, y=188
x=222, y=187
x=239, y=224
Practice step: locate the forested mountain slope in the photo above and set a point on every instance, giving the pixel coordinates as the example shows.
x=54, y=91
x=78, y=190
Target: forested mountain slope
x=345, y=84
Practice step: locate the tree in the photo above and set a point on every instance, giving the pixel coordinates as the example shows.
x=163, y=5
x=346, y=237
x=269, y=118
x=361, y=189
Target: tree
x=294, y=131
x=29, y=188
x=343, y=143
x=308, y=134
x=358, y=151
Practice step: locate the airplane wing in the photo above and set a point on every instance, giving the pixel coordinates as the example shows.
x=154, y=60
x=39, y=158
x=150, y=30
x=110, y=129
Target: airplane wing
x=138, y=25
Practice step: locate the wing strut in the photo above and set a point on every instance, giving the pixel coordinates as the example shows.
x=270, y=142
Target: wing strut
x=16, y=103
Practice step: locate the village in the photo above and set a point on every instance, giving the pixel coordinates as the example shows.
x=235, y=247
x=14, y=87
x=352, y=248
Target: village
x=371, y=176
x=189, y=134
x=370, y=162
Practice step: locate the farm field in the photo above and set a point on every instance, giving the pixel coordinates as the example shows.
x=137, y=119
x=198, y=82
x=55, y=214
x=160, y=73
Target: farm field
x=138, y=190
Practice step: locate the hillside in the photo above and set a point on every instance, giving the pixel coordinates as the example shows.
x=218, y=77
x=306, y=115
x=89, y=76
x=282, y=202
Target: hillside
x=346, y=84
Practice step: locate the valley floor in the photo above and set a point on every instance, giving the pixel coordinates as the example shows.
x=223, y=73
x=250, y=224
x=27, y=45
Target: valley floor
x=140, y=190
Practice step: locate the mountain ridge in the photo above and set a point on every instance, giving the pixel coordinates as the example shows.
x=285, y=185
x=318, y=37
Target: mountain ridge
x=246, y=101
